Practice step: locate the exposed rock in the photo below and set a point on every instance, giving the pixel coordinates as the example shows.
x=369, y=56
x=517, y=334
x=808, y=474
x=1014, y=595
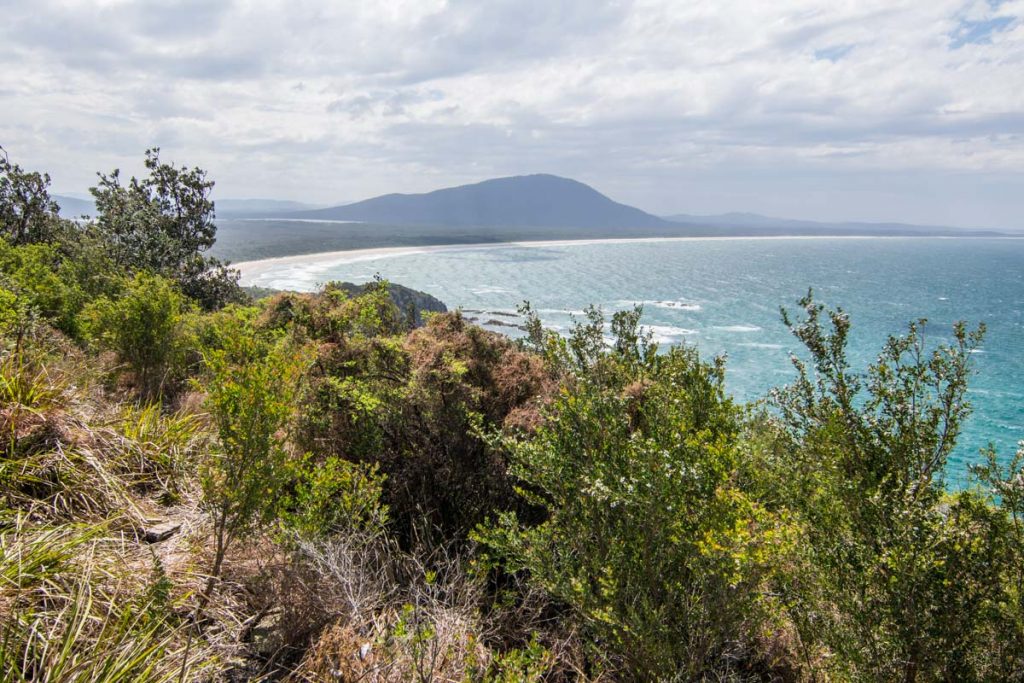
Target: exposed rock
x=158, y=534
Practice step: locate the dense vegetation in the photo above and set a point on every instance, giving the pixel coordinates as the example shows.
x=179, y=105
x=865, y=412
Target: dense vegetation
x=198, y=486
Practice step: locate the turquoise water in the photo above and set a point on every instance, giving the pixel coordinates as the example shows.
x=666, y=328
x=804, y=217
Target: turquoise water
x=724, y=296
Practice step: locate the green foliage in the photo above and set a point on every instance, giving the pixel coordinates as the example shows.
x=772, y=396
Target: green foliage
x=528, y=664
x=645, y=539
x=1005, y=482
x=142, y=327
x=27, y=213
x=413, y=404
x=860, y=459
x=251, y=389
x=334, y=496
x=163, y=223
x=36, y=279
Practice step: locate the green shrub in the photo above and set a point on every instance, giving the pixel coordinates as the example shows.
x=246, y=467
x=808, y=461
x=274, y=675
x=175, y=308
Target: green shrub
x=251, y=389
x=40, y=281
x=334, y=496
x=414, y=405
x=646, y=540
x=142, y=327
x=902, y=572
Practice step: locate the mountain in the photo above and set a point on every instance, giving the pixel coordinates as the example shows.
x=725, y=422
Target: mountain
x=73, y=207
x=520, y=201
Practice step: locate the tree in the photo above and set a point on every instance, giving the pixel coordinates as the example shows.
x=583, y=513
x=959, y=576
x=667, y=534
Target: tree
x=164, y=223
x=251, y=392
x=27, y=213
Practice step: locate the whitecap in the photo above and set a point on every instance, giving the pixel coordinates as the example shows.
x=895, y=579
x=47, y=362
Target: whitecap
x=738, y=328
x=490, y=289
x=677, y=305
x=760, y=345
x=560, y=311
x=666, y=334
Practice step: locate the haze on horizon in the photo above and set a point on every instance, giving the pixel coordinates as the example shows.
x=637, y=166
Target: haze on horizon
x=880, y=110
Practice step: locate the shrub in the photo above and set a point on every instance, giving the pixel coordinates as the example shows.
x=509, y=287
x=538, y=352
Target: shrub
x=645, y=539
x=861, y=459
x=141, y=327
x=414, y=405
x=334, y=496
x=39, y=280
x=251, y=389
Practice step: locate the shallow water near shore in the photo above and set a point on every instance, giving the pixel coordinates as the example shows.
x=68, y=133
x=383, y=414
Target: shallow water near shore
x=724, y=296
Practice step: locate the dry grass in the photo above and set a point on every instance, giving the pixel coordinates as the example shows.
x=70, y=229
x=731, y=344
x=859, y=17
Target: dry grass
x=84, y=598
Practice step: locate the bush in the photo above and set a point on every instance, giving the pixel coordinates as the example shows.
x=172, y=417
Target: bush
x=414, y=405
x=646, y=541
x=251, y=390
x=142, y=328
x=899, y=590
x=38, y=280
x=333, y=497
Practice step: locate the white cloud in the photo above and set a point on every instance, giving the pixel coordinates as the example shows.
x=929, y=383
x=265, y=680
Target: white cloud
x=322, y=101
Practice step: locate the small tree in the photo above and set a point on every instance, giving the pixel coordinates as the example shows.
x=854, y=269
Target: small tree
x=863, y=464
x=27, y=213
x=252, y=387
x=164, y=223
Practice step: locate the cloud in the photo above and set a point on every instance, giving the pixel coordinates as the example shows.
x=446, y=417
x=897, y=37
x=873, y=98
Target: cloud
x=323, y=101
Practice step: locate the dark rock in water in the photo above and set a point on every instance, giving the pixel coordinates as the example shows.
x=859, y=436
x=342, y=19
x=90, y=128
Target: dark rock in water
x=502, y=323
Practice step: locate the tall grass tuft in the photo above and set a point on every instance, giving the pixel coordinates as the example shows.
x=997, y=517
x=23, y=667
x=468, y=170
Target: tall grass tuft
x=71, y=614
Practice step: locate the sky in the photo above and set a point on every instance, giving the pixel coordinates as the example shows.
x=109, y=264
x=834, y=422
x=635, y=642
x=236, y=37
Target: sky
x=879, y=110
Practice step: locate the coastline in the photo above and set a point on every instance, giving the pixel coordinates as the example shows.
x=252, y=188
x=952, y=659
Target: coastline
x=326, y=259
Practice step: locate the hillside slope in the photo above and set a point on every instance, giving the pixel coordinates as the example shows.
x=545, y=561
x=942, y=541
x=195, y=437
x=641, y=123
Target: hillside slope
x=519, y=201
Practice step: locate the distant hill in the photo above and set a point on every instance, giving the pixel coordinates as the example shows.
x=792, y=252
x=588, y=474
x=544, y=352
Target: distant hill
x=72, y=207
x=520, y=201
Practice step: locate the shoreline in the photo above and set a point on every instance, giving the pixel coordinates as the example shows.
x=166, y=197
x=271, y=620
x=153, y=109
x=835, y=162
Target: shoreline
x=325, y=259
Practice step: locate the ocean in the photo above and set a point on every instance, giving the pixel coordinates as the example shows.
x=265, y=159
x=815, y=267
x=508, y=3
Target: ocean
x=724, y=295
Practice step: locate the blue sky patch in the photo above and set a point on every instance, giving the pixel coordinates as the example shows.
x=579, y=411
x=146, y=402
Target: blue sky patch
x=832, y=53
x=977, y=32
